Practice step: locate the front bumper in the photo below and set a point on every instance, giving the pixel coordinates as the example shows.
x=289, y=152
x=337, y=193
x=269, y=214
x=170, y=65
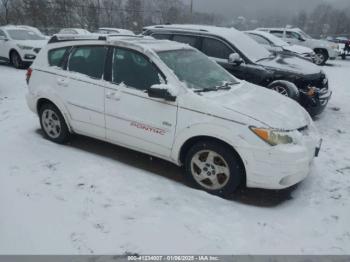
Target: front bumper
x=316, y=105
x=29, y=55
x=333, y=53
x=283, y=166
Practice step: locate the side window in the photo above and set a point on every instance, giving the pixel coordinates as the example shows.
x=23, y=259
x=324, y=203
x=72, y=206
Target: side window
x=162, y=36
x=215, y=48
x=88, y=60
x=260, y=39
x=277, y=33
x=56, y=56
x=186, y=39
x=134, y=70
x=2, y=33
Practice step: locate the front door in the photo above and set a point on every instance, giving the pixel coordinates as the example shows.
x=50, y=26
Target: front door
x=132, y=118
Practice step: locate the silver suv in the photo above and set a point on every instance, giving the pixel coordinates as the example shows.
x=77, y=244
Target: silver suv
x=324, y=49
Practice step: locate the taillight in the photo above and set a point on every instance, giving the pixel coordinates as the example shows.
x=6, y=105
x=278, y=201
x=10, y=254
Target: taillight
x=29, y=74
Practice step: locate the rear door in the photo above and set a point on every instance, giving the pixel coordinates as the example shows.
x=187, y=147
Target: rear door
x=82, y=90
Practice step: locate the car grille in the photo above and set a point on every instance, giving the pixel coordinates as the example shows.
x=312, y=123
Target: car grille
x=37, y=50
x=321, y=82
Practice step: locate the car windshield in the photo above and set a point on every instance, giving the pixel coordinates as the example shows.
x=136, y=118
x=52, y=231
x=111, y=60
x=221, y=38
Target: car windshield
x=20, y=34
x=304, y=35
x=249, y=47
x=196, y=69
x=276, y=40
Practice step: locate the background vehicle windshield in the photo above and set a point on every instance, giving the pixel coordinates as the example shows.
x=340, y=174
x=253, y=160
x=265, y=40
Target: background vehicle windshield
x=277, y=41
x=196, y=69
x=249, y=47
x=304, y=35
x=20, y=34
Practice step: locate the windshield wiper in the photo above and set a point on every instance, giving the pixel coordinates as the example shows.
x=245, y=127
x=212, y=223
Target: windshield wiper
x=225, y=86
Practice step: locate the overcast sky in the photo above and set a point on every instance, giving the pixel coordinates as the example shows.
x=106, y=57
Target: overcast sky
x=251, y=8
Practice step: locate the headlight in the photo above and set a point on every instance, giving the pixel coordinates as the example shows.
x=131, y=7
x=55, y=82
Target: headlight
x=273, y=137
x=25, y=47
x=334, y=46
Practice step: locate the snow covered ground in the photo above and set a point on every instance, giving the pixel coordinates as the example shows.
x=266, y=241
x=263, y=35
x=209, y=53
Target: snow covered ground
x=92, y=197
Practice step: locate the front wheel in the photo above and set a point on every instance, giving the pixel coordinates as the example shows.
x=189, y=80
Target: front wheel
x=16, y=60
x=285, y=88
x=53, y=124
x=214, y=167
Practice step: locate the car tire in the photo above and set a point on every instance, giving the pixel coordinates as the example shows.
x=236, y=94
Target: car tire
x=321, y=57
x=285, y=88
x=53, y=124
x=16, y=60
x=214, y=167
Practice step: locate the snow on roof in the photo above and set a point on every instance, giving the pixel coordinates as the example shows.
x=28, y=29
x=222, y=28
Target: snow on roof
x=148, y=43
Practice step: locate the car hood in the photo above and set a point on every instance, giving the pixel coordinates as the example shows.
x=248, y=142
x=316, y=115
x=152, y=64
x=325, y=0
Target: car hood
x=262, y=105
x=290, y=64
x=298, y=49
x=32, y=43
x=317, y=43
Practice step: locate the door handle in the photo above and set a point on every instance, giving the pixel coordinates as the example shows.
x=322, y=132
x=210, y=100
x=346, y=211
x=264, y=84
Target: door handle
x=113, y=96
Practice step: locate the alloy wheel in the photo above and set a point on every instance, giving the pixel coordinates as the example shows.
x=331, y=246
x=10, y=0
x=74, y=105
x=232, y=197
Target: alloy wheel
x=51, y=123
x=281, y=89
x=210, y=170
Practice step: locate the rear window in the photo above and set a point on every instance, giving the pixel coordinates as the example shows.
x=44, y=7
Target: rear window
x=186, y=39
x=88, y=60
x=162, y=36
x=56, y=56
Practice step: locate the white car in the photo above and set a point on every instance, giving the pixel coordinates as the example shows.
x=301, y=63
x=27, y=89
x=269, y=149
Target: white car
x=171, y=101
x=277, y=45
x=324, y=49
x=114, y=31
x=19, y=46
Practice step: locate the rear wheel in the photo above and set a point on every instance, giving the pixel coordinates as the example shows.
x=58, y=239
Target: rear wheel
x=16, y=60
x=53, y=124
x=214, y=167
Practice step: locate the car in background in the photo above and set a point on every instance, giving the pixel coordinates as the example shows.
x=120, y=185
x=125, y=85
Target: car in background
x=74, y=31
x=278, y=46
x=291, y=76
x=324, y=49
x=35, y=30
x=182, y=107
x=114, y=31
x=19, y=46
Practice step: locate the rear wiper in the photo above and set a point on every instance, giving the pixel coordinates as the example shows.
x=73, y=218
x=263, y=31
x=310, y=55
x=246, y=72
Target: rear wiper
x=225, y=86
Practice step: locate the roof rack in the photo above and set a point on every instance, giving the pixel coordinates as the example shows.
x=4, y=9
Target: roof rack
x=179, y=28
x=65, y=38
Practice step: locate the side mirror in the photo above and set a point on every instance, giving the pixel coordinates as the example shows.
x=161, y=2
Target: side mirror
x=162, y=91
x=3, y=38
x=235, y=59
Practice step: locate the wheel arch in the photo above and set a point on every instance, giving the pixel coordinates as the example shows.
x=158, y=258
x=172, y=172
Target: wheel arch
x=323, y=50
x=41, y=101
x=193, y=140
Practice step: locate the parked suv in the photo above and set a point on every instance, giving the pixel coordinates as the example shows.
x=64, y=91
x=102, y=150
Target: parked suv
x=169, y=100
x=324, y=49
x=19, y=46
x=244, y=58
